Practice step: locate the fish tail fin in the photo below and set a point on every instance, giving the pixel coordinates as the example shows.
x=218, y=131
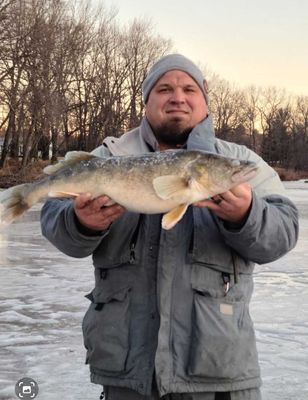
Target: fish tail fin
x=71, y=158
x=13, y=203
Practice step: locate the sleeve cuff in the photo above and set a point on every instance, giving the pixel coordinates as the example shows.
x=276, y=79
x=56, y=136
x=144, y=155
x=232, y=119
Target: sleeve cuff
x=247, y=224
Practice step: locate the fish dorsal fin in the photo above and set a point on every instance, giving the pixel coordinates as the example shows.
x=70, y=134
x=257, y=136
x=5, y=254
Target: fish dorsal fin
x=170, y=187
x=71, y=158
x=173, y=217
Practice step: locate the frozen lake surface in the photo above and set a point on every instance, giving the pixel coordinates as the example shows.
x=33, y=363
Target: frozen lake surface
x=42, y=305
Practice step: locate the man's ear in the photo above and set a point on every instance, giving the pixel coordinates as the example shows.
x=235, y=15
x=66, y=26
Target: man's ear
x=206, y=89
x=206, y=86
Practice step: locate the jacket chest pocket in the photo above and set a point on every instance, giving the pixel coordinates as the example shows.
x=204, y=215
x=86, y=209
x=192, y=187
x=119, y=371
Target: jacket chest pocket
x=222, y=340
x=106, y=329
x=207, y=246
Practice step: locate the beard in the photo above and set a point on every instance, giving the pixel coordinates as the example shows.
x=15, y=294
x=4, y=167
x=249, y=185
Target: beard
x=172, y=134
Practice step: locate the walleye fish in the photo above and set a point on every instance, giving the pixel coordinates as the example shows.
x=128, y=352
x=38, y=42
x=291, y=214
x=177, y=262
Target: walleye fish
x=163, y=182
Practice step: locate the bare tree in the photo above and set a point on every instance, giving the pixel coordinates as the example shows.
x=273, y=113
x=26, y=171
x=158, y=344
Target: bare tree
x=13, y=56
x=276, y=143
x=227, y=104
x=141, y=49
x=252, y=114
x=298, y=150
x=302, y=113
x=271, y=100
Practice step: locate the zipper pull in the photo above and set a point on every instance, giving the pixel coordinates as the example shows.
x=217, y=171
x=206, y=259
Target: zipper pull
x=226, y=281
x=134, y=240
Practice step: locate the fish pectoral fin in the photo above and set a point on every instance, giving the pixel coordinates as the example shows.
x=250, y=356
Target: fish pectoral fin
x=170, y=186
x=71, y=158
x=174, y=216
x=63, y=194
x=197, y=188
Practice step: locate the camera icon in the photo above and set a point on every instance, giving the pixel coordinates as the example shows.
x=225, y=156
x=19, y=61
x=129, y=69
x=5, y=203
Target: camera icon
x=26, y=388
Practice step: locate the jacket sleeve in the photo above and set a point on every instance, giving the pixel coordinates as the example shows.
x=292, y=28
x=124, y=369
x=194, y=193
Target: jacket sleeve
x=270, y=231
x=271, y=228
x=60, y=226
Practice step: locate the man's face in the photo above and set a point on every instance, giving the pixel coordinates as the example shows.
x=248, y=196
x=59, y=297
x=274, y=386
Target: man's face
x=175, y=105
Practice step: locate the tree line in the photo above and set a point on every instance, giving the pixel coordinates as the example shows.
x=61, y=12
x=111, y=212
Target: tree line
x=71, y=75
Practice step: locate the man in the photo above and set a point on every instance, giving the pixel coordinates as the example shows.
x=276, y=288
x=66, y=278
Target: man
x=169, y=314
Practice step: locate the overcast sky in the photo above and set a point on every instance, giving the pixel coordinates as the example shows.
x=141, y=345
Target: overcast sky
x=262, y=42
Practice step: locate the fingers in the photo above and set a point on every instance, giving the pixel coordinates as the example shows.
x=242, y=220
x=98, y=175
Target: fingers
x=82, y=200
x=107, y=215
x=232, y=196
x=232, y=205
x=217, y=199
x=240, y=191
x=86, y=200
x=110, y=212
x=96, y=213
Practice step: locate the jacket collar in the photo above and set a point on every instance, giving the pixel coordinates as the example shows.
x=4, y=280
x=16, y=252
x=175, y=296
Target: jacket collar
x=148, y=135
x=202, y=137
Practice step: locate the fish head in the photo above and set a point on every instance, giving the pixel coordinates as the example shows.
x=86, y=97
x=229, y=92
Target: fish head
x=218, y=174
x=243, y=171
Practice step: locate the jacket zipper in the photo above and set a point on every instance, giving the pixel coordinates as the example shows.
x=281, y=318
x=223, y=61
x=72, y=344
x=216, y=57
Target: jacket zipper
x=133, y=242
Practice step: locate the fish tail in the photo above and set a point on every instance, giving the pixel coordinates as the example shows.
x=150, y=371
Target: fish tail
x=13, y=203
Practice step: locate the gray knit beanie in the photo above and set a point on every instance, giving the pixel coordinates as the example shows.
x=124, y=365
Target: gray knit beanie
x=168, y=63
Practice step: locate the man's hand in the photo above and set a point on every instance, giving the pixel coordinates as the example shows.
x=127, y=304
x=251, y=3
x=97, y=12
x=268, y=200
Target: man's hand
x=95, y=213
x=233, y=205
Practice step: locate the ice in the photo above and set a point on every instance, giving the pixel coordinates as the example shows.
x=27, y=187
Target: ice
x=42, y=304
x=41, y=308
x=280, y=312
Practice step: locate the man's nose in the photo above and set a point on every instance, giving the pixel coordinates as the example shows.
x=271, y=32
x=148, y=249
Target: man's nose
x=177, y=96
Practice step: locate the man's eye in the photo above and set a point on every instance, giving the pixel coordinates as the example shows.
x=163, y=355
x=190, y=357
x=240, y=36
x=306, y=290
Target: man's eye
x=163, y=90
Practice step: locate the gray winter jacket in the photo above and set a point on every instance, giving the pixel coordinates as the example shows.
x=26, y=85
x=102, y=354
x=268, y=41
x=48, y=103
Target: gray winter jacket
x=176, y=302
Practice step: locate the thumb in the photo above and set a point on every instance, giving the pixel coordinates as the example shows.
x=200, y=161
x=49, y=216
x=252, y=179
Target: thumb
x=241, y=190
